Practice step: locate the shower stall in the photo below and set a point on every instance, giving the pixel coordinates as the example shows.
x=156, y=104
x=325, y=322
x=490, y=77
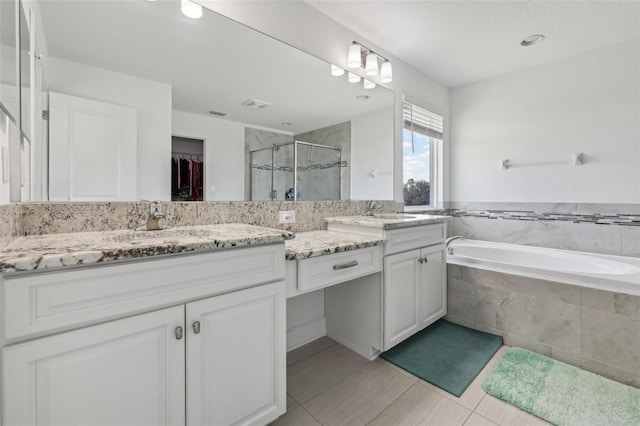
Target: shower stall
x=296, y=171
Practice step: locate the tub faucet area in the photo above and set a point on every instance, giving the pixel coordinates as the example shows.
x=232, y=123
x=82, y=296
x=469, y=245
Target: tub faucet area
x=449, y=240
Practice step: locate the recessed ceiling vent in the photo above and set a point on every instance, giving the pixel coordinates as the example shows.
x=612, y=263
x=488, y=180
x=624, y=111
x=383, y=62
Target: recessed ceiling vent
x=218, y=113
x=255, y=104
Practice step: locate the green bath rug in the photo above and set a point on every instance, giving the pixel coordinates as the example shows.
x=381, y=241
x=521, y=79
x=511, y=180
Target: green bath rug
x=447, y=355
x=561, y=394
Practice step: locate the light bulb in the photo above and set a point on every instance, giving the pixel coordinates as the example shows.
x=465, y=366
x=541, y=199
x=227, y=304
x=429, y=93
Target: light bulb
x=353, y=78
x=336, y=71
x=190, y=9
x=354, y=60
x=369, y=84
x=386, y=74
x=371, y=67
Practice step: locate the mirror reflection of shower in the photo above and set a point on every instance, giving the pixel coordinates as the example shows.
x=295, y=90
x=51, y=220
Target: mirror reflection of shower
x=296, y=171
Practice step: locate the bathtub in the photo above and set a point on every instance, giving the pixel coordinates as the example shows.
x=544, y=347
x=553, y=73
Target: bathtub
x=598, y=271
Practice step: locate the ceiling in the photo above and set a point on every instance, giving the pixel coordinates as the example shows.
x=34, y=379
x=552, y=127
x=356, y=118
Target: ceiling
x=212, y=63
x=461, y=42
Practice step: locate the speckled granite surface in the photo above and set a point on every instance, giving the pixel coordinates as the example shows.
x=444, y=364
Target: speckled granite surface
x=55, y=218
x=56, y=250
x=318, y=243
x=388, y=222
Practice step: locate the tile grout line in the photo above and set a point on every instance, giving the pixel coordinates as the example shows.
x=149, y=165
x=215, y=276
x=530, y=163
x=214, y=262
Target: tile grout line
x=389, y=405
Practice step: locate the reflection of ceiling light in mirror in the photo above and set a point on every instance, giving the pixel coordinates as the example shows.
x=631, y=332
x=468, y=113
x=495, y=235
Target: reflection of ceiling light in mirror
x=386, y=75
x=212, y=112
x=369, y=84
x=531, y=40
x=362, y=97
x=255, y=104
x=286, y=124
x=336, y=71
x=190, y=9
x=353, y=78
x=371, y=67
x=354, y=60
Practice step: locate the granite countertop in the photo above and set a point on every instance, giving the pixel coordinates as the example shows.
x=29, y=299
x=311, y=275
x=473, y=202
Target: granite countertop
x=318, y=243
x=55, y=250
x=389, y=221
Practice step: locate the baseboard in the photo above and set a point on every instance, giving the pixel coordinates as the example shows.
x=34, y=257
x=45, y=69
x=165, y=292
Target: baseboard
x=305, y=333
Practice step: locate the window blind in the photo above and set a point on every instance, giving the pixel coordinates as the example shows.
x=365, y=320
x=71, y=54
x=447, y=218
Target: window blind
x=422, y=121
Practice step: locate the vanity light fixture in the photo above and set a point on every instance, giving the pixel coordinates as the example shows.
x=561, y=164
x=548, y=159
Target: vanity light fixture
x=386, y=74
x=368, y=84
x=353, y=78
x=531, y=40
x=371, y=64
x=336, y=71
x=190, y=9
x=354, y=60
x=363, y=57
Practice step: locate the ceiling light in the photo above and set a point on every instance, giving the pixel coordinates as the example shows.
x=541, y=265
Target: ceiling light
x=354, y=60
x=362, y=97
x=386, y=74
x=369, y=84
x=371, y=64
x=353, y=78
x=532, y=39
x=286, y=124
x=190, y=9
x=336, y=71
x=358, y=52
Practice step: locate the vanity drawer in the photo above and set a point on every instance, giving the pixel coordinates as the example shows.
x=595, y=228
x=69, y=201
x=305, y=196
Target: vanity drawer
x=44, y=302
x=323, y=271
x=404, y=239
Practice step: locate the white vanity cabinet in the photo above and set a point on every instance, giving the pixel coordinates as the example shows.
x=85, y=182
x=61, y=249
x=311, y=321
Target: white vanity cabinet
x=414, y=273
x=215, y=356
x=414, y=292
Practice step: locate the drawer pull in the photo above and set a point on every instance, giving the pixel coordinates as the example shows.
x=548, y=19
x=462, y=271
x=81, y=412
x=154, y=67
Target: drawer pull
x=345, y=265
x=196, y=327
x=178, y=333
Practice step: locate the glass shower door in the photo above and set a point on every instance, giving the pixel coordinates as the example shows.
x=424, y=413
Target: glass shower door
x=318, y=171
x=261, y=174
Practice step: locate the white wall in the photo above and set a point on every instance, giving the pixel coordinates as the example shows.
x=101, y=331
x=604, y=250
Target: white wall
x=315, y=33
x=151, y=99
x=537, y=118
x=224, y=152
x=368, y=134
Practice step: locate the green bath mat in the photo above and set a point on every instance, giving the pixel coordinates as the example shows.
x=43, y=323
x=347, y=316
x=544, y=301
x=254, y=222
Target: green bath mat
x=560, y=393
x=447, y=355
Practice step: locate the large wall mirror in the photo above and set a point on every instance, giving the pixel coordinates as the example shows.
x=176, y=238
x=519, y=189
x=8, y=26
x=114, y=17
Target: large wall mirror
x=137, y=87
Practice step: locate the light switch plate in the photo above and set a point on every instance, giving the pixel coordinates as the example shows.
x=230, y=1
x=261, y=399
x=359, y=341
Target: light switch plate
x=288, y=216
x=5, y=164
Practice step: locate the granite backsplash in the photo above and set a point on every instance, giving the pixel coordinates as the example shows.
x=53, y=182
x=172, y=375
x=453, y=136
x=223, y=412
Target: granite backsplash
x=55, y=218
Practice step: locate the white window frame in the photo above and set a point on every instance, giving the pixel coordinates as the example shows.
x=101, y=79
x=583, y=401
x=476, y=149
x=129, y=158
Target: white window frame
x=436, y=159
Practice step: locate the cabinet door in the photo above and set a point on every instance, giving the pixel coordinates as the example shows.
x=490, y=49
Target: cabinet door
x=236, y=361
x=401, y=287
x=433, y=292
x=125, y=372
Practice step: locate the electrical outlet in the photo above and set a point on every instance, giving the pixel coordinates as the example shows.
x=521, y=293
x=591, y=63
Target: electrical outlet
x=288, y=216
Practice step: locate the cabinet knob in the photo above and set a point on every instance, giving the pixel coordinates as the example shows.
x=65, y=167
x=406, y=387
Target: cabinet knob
x=179, y=333
x=426, y=259
x=196, y=327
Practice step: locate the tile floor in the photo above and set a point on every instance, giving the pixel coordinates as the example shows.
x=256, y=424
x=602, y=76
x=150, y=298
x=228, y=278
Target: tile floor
x=330, y=385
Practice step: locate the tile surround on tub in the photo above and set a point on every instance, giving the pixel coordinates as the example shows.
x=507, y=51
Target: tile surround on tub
x=592, y=329
x=54, y=218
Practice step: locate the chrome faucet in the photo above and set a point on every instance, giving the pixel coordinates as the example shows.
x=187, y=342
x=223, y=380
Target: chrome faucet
x=449, y=240
x=371, y=206
x=155, y=221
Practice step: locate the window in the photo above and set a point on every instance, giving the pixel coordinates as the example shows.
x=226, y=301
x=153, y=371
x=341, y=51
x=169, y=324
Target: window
x=421, y=156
